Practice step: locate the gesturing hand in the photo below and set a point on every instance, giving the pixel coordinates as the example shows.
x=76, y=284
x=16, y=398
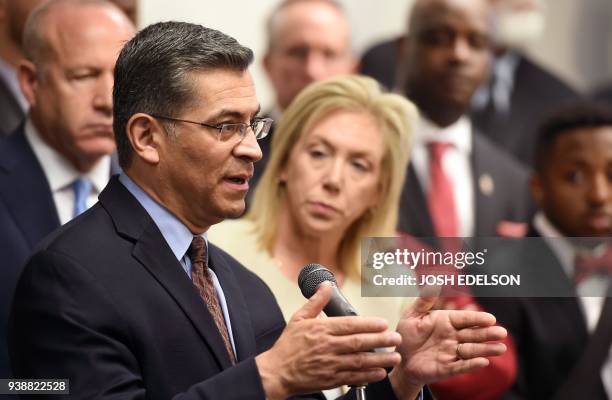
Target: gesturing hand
x=314, y=354
x=437, y=344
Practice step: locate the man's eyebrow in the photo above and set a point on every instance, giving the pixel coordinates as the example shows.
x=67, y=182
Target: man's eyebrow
x=234, y=114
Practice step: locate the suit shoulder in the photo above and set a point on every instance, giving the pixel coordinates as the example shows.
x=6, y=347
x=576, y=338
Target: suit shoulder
x=76, y=236
x=497, y=158
x=554, y=86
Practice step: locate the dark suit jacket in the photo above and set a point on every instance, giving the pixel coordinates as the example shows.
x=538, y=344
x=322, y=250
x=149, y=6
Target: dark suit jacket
x=551, y=336
x=604, y=94
x=536, y=93
x=105, y=303
x=500, y=187
x=11, y=113
x=27, y=215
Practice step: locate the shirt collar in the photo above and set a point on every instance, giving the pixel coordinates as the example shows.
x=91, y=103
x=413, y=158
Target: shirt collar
x=60, y=172
x=176, y=234
x=458, y=134
x=559, y=244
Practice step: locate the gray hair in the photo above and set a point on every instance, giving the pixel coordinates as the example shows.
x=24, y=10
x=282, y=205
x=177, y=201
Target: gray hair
x=153, y=72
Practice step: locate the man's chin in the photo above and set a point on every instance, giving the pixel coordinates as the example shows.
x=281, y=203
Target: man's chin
x=235, y=210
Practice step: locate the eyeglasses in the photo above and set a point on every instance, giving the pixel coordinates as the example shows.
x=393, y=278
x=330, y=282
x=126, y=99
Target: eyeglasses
x=260, y=127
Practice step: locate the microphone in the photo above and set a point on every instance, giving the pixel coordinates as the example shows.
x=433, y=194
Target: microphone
x=311, y=276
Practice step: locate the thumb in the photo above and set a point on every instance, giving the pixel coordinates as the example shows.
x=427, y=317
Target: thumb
x=315, y=304
x=422, y=305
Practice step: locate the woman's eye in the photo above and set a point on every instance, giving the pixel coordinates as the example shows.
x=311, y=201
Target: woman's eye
x=360, y=166
x=316, y=153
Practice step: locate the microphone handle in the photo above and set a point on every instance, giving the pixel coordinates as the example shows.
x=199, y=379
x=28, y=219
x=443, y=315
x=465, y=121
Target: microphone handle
x=338, y=305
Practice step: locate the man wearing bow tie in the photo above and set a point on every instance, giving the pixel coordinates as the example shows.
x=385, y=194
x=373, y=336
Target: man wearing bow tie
x=564, y=343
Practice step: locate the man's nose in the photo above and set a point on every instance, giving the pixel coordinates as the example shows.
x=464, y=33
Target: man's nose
x=103, y=94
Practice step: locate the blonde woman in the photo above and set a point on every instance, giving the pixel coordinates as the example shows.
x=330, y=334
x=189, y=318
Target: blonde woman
x=334, y=176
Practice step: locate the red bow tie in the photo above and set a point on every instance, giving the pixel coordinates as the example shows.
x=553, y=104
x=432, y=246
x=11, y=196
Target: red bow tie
x=587, y=265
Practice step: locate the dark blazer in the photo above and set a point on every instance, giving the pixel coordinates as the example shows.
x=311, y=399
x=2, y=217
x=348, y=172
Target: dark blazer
x=105, y=303
x=500, y=188
x=27, y=215
x=11, y=113
x=604, y=94
x=552, y=341
x=535, y=94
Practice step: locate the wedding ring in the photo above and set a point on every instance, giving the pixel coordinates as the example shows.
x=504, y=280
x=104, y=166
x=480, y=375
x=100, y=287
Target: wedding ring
x=458, y=352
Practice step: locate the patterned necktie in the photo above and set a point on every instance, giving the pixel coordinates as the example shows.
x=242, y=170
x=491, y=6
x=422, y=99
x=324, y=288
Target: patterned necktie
x=441, y=199
x=202, y=279
x=587, y=264
x=82, y=190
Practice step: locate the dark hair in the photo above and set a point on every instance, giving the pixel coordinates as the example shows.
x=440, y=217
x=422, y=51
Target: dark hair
x=581, y=115
x=152, y=74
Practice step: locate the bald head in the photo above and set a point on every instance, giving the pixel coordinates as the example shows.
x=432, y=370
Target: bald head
x=56, y=21
x=447, y=56
x=308, y=40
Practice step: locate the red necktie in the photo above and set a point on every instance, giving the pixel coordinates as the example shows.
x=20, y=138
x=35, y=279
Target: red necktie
x=441, y=198
x=587, y=265
x=202, y=279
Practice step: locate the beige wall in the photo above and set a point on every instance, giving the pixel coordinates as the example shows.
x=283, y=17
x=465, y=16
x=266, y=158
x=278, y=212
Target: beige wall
x=576, y=44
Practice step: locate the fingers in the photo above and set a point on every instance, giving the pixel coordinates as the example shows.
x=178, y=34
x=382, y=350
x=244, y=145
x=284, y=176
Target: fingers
x=479, y=335
x=366, y=342
x=478, y=350
x=367, y=360
x=314, y=306
x=467, y=319
x=341, y=326
x=421, y=305
x=360, y=377
x=463, y=366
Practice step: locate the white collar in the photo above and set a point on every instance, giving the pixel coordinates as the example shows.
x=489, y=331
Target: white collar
x=458, y=134
x=60, y=172
x=559, y=244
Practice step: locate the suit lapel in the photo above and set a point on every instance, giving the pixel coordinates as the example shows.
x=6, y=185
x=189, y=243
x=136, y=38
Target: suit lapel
x=30, y=204
x=414, y=211
x=152, y=251
x=484, y=188
x=242, y=330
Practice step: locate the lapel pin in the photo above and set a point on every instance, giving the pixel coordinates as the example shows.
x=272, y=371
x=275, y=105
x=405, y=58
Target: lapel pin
x=486, y=184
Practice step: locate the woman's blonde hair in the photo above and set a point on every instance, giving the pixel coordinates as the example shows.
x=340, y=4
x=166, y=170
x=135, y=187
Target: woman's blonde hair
x=394, y=115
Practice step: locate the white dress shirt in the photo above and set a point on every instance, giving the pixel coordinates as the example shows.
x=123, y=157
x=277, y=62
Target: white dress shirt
x=61, y=174
x=456, y=163
x=591, y=306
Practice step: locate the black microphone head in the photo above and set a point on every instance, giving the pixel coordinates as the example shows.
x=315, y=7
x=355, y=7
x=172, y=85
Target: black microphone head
x=311, y=276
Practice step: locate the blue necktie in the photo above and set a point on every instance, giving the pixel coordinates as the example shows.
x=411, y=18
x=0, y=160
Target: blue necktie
x=82, y=189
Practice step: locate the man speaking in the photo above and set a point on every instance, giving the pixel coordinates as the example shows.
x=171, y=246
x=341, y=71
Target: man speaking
x=129, y=301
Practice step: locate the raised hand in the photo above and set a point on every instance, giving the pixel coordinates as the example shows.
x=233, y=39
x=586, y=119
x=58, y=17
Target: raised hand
x=437, y=344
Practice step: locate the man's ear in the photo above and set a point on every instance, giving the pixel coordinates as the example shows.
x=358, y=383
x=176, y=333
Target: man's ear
x=537, y=189
x=145, y=134
x=266, y=61
x=29, y=79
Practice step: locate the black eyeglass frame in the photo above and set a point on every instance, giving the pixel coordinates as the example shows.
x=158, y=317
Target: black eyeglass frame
x=265, y=129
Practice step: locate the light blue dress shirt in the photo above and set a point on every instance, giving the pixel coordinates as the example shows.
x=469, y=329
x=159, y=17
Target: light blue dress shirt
x=179, y=238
